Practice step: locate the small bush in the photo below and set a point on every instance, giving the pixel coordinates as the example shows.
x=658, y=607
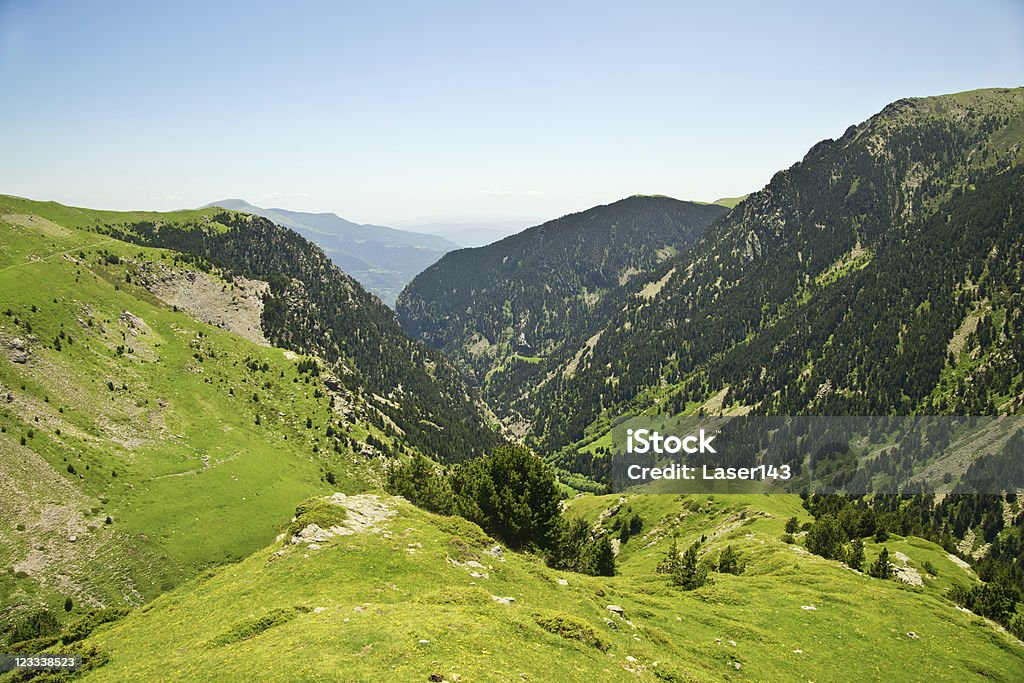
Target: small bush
x=251, y=628
x=317, y=511
x=35, y=625
x=472, y=595
x=79, y=629
x=571, y=628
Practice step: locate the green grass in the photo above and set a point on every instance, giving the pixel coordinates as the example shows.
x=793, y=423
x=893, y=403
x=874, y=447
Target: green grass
x=362, y=604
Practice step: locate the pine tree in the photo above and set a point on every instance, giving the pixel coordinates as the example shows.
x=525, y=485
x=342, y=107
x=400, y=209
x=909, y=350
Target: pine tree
x=882, y=568
x=690, y=573
x=855, y=558
x=729, y=562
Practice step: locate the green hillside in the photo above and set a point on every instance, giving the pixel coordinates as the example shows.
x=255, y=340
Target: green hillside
x=139, y=444
x=881, y=274
x=148, y=427
x=414, y=595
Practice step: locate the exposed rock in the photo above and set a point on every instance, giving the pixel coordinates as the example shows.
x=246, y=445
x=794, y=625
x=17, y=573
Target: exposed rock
x=615, y=609
x=502, y=601
x=365, y=513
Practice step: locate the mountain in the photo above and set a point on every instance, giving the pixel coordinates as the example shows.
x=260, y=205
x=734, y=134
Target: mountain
x=173, y=384
x=503, y=309
x=382, y=259
x=879, y=274
x=473, y=233
x=199, y=412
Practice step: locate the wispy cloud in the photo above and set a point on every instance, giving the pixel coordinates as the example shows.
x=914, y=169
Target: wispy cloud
x=511, y=193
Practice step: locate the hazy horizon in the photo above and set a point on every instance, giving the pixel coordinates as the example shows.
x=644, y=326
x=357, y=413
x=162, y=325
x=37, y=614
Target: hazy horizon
x=404, y=115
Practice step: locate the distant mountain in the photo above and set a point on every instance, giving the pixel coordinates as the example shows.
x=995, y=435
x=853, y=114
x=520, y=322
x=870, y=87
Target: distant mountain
x=473, y=233
x=382, y=259
x=502, y=309
x=729, y=202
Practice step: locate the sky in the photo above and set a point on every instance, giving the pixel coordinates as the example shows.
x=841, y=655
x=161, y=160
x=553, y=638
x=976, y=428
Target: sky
x=400, y=113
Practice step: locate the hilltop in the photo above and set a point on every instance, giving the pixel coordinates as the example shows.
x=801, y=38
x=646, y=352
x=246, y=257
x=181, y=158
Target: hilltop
x=413, y=595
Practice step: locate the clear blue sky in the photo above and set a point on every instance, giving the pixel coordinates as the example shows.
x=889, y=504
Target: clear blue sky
x=391, y=112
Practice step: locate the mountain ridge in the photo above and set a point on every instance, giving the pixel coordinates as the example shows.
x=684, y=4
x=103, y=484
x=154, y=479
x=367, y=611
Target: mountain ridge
x=382, y=259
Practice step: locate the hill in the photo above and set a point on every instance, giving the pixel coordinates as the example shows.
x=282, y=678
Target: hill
x=149, y=428
x=411, y=595
x=382, y=259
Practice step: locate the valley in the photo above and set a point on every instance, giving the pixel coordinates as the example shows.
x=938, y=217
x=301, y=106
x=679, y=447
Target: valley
x=221, y=454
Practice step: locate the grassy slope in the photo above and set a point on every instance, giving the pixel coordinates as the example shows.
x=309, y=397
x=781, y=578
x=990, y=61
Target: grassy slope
x=168, y=414
x=382, y=594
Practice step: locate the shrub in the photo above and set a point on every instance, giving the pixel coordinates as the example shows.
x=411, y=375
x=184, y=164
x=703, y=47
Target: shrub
x=251, y=628
x=571, y=628
x=79, y=629
x=34, y=625
x=512, y=494
x=319, y=511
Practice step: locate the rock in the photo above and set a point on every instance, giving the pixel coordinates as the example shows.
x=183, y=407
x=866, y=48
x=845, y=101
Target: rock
x=733, y=643
x=502, y=601
x=737, y=665
x=18, y=344
x=809, y=608
x=563, y=582
x=913, y=636
x=798, y=651
x=496, y=551
x=318, y=610
x=611, y=623
x=616, y=610
x=72, y=538
x=630, y=658
x=20, y=358
x=424, y=642
x=132, y=321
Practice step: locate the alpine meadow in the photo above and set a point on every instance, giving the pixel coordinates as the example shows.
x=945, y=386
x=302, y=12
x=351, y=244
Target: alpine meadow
x=250, y=444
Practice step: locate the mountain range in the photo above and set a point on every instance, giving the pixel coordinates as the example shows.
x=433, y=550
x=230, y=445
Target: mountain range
x=382, y=259
x=221, y=453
